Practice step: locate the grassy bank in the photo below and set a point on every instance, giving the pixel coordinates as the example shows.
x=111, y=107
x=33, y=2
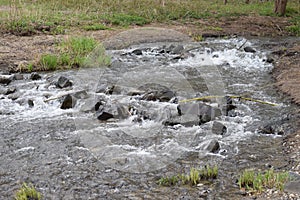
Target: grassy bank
x=25, y=17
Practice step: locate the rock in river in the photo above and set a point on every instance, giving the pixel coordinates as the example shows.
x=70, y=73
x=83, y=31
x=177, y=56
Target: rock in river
x=5, y=80
x=68, y=102
x=218, y=128
x=35, y=76
x=63, y=82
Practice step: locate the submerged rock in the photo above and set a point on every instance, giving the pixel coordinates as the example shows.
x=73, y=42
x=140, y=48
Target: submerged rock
x=63, y=82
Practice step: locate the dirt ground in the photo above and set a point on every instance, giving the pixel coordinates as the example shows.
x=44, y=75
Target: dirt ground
x=17, y=51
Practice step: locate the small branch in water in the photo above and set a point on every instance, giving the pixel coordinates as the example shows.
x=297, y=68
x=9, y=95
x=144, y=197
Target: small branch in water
x=242, y=44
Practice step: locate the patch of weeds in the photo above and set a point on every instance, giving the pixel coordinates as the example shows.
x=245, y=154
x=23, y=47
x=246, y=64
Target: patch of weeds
x=96, y=27
x=58, y=30
x=256, y=182
x=126, y=20
x=28, y=192
x=20, y=27
x=197, y=38
x=30, y=67
x=74, y=52
x=209, y=173
x=168, y=181
x=295, y=28
x=194, y=177
x=49, y=62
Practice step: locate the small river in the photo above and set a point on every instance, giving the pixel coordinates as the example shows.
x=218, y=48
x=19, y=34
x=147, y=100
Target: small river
x=70, y=154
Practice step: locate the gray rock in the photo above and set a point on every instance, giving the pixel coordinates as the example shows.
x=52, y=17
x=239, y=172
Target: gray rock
x=208, y=113
x=211, y=146
x=18, y=77
x=63, y=82
x=35, y=76
x=249, y=50
x=137, y=52
x=106, y=89
x=218, y=128
x=178, y=49
x=293, y=187
x=103, y=116
x=270, y=59
x=10, y=90
x=5, y=80
x=105, y=111
x=30, y=103
x=81, y=94
x=156, y=92
x=14, y=96
x=162, y=96
x=187, y=120
x=68, y=102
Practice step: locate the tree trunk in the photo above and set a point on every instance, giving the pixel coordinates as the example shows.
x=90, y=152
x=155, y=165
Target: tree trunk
x=280, y=7
x=225, y=2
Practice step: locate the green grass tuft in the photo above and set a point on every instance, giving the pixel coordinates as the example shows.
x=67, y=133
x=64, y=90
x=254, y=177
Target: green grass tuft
x=194, y=177
x=256, y=182
x=28, y=193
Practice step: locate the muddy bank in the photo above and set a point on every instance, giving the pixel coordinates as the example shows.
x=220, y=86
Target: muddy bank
x=287, y=76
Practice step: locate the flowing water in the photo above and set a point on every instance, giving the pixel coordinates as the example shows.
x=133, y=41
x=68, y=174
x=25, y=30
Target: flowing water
x=70, y=154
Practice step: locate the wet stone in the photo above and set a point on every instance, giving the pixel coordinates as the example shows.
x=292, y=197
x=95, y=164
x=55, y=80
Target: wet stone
x=81, y=94
x=137, y=52
x=68, y=102
x=10, y=90
x=63, y=82
x=249, y=50
x=178, y=49
x=18, y=77
x=35, y=76
x=5, y=80
x=30, y=103
x=218, y=128
x=211, y=146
